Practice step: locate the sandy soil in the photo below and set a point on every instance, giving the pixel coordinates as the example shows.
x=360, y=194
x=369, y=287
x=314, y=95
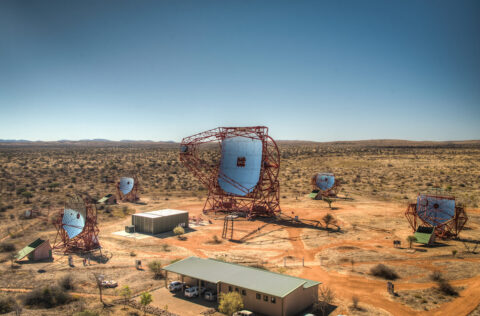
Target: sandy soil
x=366, y=231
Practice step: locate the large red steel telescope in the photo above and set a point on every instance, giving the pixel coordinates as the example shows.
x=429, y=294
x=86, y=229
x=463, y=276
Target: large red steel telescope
x=239, y=166
x=76, y=224
x=438, y=211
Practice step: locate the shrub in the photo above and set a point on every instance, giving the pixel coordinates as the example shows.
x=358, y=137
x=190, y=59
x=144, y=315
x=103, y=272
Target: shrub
x=381, y=270
x=411, y=239
x=47, y=297
x=156, y=268
x=7, y=304
x=66, y=283
x=230, y=303
x=175, y=260
x=145, y=300
x=216, y=240
x=436, y=276
x=355, y=302
x=446, y=288
x=7, y=247
x=328, y=219
x=326, y=296
x=166, y=248
x=443, y=285
x=126, y=293
x=179, y=230
x=328, y=201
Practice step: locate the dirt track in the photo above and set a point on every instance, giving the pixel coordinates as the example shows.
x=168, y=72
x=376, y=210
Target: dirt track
x=369, y=290
x=367, y=229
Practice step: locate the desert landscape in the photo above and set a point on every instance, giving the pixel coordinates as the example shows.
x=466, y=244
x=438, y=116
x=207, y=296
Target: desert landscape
x=379, y=179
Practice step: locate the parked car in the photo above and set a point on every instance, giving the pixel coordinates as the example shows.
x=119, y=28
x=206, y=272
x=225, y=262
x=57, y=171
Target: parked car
x=244, y=313
x=191, y=291
x=175, y=286
x=210, y=295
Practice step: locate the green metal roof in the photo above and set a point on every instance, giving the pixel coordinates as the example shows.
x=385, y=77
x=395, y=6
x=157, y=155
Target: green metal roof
x=27, y=250
x=254, y=279
x=104, y=199
x=423, y=238
x=313, y=194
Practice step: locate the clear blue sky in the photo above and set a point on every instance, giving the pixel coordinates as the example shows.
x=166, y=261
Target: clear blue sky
x=312, y=70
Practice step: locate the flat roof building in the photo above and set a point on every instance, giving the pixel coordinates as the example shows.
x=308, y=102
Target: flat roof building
x=262, y=291
x=161, y=221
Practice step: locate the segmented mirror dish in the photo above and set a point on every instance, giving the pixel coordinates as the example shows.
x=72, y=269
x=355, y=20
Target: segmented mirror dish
x=325, y=181
x=241, y=161
x=73, y=222
x=126, y=185
x=435, y=210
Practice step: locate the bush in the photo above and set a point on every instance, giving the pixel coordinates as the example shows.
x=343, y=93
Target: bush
x=436, y=276
x=156, y=268
x=355, y=302
x=47, y=297
x=7, y=247
x=66, y=283
x=145, y=300
x=166, y=248
x=216, y=240
x=179, y=230
x=381, y=270
x=125, y=210
x=443, y=284
x=230, y=303
x=446, y=288
x=7, y=304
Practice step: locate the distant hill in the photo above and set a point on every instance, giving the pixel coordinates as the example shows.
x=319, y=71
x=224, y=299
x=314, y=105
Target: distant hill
x=385, y=143
x=99, y=142
x=14, y=141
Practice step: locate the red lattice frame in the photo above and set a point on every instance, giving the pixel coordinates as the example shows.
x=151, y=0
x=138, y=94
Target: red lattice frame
x=264, y=200
x=131, y=196
x=444, y=230
x=87, y=240
x=332, y=192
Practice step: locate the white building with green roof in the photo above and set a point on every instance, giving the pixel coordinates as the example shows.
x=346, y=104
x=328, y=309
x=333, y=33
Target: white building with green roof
x=262, y=291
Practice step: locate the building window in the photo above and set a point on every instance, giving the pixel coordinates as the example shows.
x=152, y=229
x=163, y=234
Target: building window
x=244, y=292
x=241, y=161
x=258, y=296
x=265, y=298
x=273, y=300
x=236, y=289
x=229, y=288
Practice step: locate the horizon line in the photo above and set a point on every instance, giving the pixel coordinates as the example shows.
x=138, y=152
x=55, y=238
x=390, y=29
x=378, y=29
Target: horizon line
x=178, y=142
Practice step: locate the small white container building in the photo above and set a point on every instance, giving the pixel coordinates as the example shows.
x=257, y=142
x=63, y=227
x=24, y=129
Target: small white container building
x=161, y=221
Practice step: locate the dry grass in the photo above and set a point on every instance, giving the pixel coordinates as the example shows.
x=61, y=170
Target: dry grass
x=383, y=172
x=425, y=299
x=371, y=171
